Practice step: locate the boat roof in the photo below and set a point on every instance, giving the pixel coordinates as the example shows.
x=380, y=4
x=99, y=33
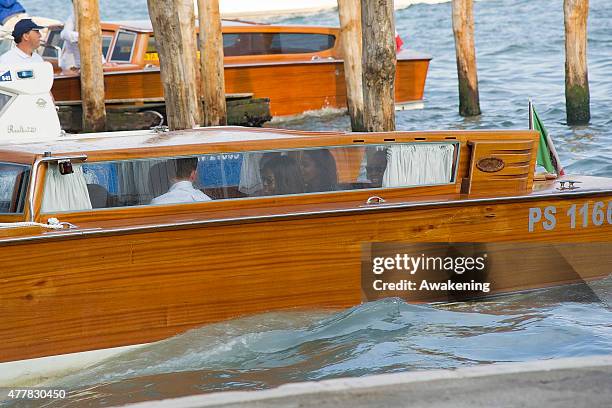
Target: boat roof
x=221, y=139
x=145, y=25
x=151, y=139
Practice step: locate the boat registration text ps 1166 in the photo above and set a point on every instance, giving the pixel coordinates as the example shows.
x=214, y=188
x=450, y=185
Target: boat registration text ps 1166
x=576, y=216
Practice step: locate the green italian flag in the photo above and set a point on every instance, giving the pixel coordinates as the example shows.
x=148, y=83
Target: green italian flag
x=547, y=154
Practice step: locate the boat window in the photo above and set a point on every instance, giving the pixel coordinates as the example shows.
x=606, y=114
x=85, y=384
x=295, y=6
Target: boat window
x=5, y=99
x=54, y=39
x=268, y=173
x=122, y=52
x=5, y=45
x=275, y=43
x=151, y=54
x=240, y=44
x=14, y=180
x=106, y=42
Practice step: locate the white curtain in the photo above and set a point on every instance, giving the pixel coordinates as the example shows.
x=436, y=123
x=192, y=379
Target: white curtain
x=250, y=175
x=65, y=192
x=137, y=185
x=419, y=164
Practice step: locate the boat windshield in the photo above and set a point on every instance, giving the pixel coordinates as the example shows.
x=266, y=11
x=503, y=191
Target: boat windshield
x=249, y=175
x=55, y=42
x=124, y=45
x=14, y=180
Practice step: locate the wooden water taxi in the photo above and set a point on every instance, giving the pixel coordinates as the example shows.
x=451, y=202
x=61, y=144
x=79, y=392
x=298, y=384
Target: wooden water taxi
x=299, y=68
x=105, y=242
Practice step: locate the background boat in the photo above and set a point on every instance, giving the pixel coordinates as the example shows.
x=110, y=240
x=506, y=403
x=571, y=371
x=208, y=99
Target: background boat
x=299, y=68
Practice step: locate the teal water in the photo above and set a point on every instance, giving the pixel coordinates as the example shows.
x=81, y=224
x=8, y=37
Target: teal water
x=520, y=55
x=268, y=350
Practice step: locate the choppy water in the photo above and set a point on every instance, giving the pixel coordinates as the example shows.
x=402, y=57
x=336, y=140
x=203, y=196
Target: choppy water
x=520, y=55
x=378, y=337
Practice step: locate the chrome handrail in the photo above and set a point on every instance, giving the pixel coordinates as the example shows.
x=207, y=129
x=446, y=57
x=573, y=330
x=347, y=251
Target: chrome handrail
x=375, y=200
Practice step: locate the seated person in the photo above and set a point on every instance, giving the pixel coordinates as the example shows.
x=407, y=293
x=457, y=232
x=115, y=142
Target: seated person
x=375, y=167
x=182, y=190
x=318, y=170
x=281, y=175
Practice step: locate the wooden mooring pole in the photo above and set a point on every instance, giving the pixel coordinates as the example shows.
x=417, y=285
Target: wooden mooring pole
x=463, y=29
x=187, y=21
x=87, y=16
x=577, y=95
x=176, y=63
x=350, y=38
x=378, y=62
x=212, y=75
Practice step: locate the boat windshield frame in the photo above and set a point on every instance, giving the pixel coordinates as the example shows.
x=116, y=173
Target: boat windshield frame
x=115, y=43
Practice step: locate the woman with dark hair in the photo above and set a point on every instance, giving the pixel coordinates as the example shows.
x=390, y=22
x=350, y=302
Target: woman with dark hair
x=281, y=175
x=318, y=170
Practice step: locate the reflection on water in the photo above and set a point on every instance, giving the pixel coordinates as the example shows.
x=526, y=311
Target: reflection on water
x=379, y=337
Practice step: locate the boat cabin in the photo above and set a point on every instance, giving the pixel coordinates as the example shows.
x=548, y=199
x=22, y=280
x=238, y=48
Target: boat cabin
x=131, y=44
x=110, y=177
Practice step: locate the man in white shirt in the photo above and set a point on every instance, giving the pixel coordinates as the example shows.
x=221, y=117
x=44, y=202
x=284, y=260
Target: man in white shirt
x=182, y=191
x=27, y=37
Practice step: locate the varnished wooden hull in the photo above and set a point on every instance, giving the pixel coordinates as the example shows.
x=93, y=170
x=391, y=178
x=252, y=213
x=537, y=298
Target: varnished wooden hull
x=292, y=87
x=106, y=289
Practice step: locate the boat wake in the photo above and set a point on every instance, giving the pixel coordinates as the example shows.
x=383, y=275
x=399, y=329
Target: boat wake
x=266, y=9
x=384, y=336
x=326, y=118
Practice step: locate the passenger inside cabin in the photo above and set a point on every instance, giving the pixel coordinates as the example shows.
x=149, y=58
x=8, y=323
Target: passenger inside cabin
x=318, y=170
x=281, y=175
x=375, y=167
x=182, y=190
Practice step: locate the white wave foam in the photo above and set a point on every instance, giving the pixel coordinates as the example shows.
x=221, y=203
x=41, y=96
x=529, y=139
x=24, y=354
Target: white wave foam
x=319, y=113
x=241, y=8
